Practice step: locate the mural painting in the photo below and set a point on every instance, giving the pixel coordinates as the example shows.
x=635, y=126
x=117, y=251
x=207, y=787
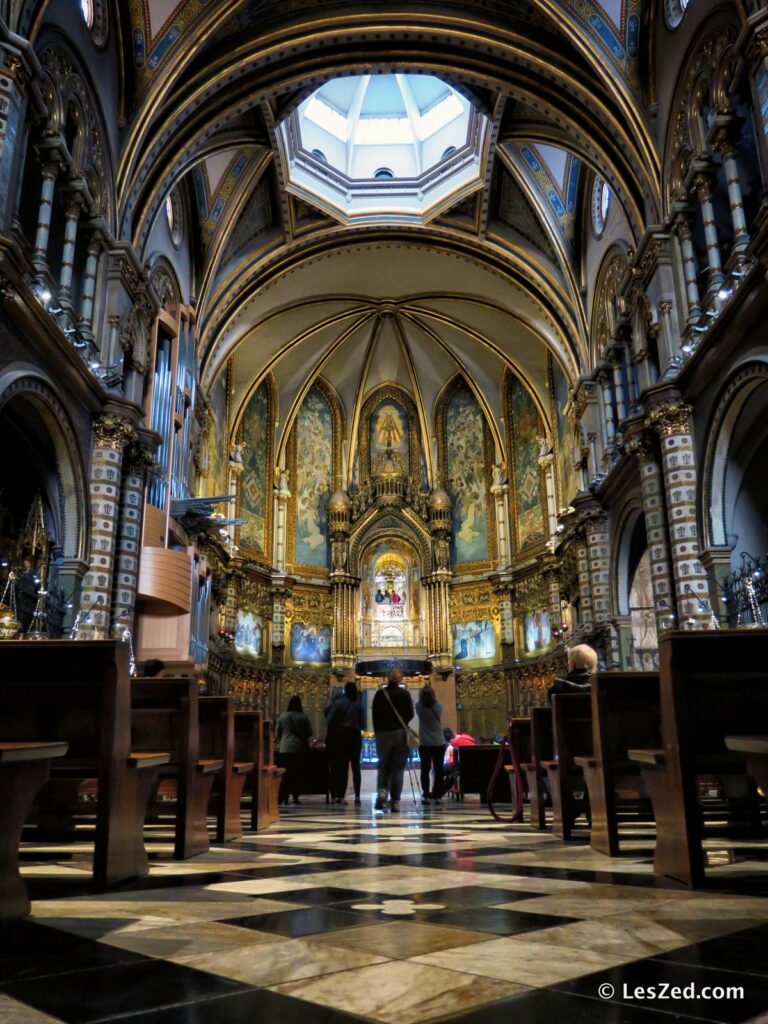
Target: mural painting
x=537, y=631
x=474, y=641
x=249, y=634
x=569, y=483
x=466, y=475
x=216, y=482
x=314, y=476
x=389, y=433
x=254, y=494
x=310, y=644
x=526, y=427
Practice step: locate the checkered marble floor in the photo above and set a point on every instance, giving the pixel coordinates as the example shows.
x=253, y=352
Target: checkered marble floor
x=343, y=914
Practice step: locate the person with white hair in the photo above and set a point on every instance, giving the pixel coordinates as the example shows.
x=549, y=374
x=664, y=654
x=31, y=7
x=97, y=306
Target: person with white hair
x=582, y=665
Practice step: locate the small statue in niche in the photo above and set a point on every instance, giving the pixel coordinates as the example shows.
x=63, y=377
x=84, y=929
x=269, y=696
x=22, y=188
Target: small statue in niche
x=544, y=444
x=442, y=553
x=281, y=480
x=499, y=477
x=236, y=456
x=355, y=503
x=338, y=555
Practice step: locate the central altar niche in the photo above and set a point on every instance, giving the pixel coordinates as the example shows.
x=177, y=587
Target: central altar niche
x=391, y=597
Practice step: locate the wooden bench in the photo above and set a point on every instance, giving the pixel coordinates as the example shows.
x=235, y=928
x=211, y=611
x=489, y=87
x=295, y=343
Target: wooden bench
x=166, y=711
x=248, y=747
x=626, y=713
x=24, y=768
x=754, y=750
x=217, y=740
x=79, y=693
x=269, y=778
x=542, y=749
x=713, y=685
x=572, y=738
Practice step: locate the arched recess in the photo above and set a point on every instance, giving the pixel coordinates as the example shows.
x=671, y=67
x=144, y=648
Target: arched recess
x=414, y=441
x=36, y=419
x=735, y=501
x=605, y=304
x=465, y=468
x=384, y=527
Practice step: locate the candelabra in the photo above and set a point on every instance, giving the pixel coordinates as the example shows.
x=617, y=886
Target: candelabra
x=9, y=621
x=754, y=607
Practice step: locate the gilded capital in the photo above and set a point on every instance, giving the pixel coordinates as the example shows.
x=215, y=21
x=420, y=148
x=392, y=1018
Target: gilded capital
x=112, y=432
x=670, y=419
x=639, y=447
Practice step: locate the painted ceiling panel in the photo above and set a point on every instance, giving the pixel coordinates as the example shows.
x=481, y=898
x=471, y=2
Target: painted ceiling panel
x=387, y=362
x=558, y=189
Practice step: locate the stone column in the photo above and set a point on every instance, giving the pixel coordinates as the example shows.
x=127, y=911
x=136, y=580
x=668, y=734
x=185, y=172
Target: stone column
x=553, y=591
x=503, y=590
x=282, y=497
x=703, y=190
x=110, y=436
x=673, y=424
x=72, y=216
x=618, y=385
x=547, y=464
x=85, y=319
x=40, y=253
x=724, y=145
x=136, y=462
x=279, y=595
x=690, y=270
x=500, y=492
x=230, y=602
x=654, y=511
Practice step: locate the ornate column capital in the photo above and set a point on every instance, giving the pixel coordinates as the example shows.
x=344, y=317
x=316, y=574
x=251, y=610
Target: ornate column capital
x=670, y=418
x=640, y=447
x=112, y=432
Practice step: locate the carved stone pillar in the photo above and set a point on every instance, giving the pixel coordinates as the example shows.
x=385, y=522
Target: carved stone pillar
x=586, y=614
x=500, y=491
x=344, y=638
x=71, y=217
x=547, y=463
x=673, y=424
x=724, y=144
x=279, y=595
x=40, y=253
x=598, y=554
x=110, y=436
x=703, y=189
x=282, y=497
x=230, y=603
x=654, y=511
x=136, y=462
x=85, y=319
x=503, y=590
x=553, y=592
x=690, y=270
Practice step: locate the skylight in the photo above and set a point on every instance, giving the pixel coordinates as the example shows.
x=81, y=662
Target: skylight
x=426, y=135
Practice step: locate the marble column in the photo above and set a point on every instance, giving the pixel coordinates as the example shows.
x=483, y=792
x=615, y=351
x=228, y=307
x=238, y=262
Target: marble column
x=547, y=464
x=500, y=492
x=672, y=422
x=85, y=319
x=690, y=270
x=110, y=437
x=654, y=511
x=71, y=217
x=703, y=190
x=725, y=147
x=136, y=462
x=586, y=614
x=282, y=496
x=40, y=252
x=279, y=595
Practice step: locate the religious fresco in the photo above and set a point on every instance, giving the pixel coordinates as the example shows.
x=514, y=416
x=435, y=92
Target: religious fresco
x=249, y=634
x=526, y=428
x=466, y=476
x=216, y=482
x=474, y=640
x=389, y=431
x=537, y=631
x=254, y=492
x=310, y=644
x=569, y=483
x=314, y=477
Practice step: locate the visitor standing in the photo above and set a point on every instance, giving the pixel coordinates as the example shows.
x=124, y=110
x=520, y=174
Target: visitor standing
x=431, y=743
x=392, y=709
x=346, y=721
x=293, y=733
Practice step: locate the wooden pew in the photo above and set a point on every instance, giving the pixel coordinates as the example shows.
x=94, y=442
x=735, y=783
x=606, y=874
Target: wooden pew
x=217, y=740
x=572, y=734
x=79, y=693
x=625, y=713
x=24, y=768
x=269, y=778
x=754, y=750
x=542, y=749
x=248, y=747
x=713, y=685
x=166, y=711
